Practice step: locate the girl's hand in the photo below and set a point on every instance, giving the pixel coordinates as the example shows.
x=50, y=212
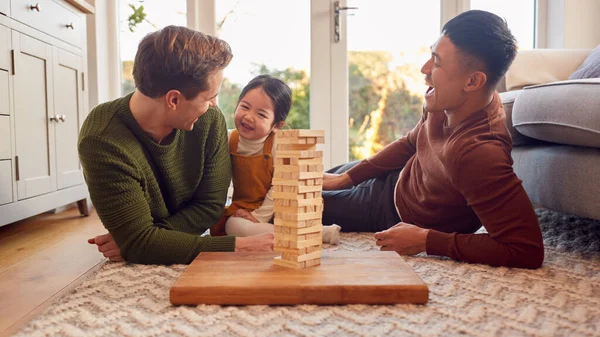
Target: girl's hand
x=244, y=214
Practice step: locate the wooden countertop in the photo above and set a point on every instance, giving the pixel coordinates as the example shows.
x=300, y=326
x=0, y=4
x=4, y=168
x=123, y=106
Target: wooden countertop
x=82, y=5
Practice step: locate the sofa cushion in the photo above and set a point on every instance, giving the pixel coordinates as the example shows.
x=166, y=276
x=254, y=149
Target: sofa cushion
x=508, y=101
x=566, y=112
x=590, y=67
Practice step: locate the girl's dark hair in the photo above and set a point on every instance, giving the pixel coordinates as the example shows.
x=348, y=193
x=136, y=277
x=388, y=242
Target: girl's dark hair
x=486, y=37
x=279, y=92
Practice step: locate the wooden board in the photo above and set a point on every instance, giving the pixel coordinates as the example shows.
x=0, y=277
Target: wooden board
x=367, y=277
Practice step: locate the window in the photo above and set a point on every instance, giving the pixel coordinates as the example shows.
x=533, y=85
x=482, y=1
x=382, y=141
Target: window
x=264, y=43
x=519, y=14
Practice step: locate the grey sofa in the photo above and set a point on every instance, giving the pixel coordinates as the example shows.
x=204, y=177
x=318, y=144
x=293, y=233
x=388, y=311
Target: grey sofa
x=555, y=125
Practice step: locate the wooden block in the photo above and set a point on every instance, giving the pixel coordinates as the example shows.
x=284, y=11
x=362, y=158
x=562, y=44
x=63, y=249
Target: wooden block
x=297, y=203
x=312, y=263
x=313, y=161
x=320, y=140
x=311, y=133
x=299, y=243
x=298, y=231
x=296, y=182
x=296, y=237
x=291, y=168
x=286, y=140
x=300, y=154
x=288, y=264
x=295, y=147
x=294, y=224
x=298, y=209
x=297, y=251
x=301, y=257
x=299, y=217
x=315, y=168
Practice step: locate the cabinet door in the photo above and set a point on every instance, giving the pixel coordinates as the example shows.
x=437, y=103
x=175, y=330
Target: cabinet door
x=68, y=106
x=34, y=107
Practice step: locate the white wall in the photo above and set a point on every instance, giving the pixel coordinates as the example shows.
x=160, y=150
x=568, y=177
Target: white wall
x=103, y=53
x=573, y=23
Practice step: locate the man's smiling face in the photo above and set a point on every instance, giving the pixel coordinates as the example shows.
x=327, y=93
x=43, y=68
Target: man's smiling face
x=445, y=75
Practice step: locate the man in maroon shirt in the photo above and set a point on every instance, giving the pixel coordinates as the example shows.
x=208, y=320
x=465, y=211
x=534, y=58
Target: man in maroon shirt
x=432, y=189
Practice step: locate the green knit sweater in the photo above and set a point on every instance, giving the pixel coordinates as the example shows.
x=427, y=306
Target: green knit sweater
x=155, y=199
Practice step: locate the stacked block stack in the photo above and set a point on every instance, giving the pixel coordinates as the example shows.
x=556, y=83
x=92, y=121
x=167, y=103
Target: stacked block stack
x=297, y=183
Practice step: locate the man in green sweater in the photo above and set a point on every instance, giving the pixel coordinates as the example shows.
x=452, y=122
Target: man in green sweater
x=156, y=161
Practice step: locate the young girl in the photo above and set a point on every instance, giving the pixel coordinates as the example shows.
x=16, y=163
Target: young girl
x=261, y=111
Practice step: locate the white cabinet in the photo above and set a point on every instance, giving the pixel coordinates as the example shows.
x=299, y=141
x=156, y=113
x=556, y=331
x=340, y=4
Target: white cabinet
x=34, y=109
x=42, y=106
x=69, y=115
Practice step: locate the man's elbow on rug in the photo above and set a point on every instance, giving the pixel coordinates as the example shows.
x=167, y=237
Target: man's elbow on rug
x=527, y=257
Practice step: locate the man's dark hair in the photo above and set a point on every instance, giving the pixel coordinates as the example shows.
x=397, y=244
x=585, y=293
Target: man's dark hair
x=485, y=37
x=279, y=93
x=178, y=58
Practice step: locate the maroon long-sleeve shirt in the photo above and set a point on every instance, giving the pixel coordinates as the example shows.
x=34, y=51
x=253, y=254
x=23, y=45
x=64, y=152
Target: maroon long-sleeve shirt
x=456, y=179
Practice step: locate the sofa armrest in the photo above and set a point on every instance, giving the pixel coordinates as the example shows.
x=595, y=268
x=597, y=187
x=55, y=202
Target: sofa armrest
x=539, y=66
x=564, y=112
x=508, y=101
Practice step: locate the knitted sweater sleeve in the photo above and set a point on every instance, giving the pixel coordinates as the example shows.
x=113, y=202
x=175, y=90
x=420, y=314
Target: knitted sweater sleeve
x=115, y=186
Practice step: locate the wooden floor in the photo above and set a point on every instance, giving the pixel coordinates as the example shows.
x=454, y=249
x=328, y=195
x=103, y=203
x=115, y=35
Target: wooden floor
x=40, y=259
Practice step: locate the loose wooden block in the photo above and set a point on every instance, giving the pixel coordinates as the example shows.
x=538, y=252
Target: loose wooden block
x=246, y=278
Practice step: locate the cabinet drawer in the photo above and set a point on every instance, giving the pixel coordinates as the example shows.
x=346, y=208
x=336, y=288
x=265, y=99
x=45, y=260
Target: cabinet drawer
x=4, y=93
x=5, y=137
x=52, y=18
x=6, y=189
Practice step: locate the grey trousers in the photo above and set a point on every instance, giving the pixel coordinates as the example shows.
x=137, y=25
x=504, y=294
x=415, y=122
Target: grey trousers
x=367, y=207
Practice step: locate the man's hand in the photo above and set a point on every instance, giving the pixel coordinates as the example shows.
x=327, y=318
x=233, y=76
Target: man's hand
x=403, y=238
x=255, y=243
x=242, y=213
x=107, y=246
x=336, y=181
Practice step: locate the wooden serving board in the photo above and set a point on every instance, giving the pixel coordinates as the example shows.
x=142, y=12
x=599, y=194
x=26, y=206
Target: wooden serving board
x=365, y=277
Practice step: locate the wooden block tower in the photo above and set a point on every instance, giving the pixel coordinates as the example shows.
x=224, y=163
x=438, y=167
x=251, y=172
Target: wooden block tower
x=298, y=180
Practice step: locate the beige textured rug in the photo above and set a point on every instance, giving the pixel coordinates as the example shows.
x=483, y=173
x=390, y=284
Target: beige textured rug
x=560, y=299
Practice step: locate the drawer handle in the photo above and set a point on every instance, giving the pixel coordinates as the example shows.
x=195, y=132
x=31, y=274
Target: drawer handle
x=62, y=118
x=70, y=25
x=54, y=118
x=36, y=7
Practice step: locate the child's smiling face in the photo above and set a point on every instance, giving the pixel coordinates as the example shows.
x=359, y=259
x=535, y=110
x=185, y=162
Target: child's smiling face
x=255, y=115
